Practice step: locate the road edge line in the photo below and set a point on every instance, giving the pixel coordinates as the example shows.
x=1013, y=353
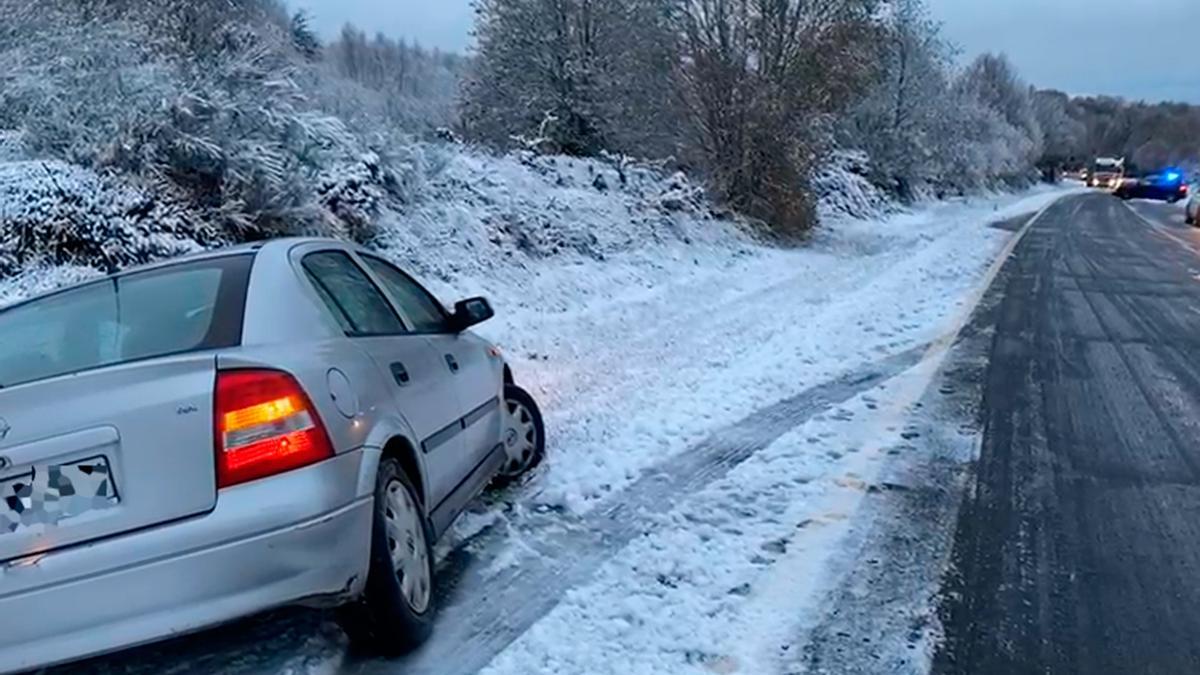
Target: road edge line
x=909, y=386
x=922, y=372
x=961, y=318
x=1160, y=228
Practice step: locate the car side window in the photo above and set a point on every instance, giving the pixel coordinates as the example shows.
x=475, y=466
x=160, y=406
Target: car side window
x=419, y=306
x=350, y=295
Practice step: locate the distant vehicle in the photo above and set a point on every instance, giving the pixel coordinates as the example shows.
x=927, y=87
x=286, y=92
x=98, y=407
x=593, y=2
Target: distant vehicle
x=1167, y=185
x=1192, y=210
x=1106, y=172
x=184, y=444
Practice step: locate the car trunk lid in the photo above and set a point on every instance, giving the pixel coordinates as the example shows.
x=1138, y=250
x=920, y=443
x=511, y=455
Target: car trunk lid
x=106, y=402
x=105, y=452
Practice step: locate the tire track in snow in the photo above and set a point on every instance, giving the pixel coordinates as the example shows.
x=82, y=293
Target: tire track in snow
x=488, y=604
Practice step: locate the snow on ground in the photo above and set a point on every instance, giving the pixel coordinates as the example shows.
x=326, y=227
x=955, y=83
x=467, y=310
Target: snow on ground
x=730, y=579
x=727, y=580
x=635, y=357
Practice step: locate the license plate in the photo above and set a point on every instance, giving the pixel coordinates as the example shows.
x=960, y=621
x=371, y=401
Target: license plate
x=47, y=495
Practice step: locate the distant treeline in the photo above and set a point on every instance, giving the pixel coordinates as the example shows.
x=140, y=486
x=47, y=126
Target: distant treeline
x=1150, y=135
x=754, y=95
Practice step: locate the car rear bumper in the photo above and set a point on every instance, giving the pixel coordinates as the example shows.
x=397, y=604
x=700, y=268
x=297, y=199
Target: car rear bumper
x=300, y=536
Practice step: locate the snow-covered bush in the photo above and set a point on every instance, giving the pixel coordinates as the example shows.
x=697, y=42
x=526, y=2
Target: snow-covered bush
x=355, y=193
x=58, y=214
x=499, y=219
x=218, y=116
x=12, y=146
x=843, y=188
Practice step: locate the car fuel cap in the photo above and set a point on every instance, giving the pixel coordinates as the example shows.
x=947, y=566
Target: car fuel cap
x=343, y=394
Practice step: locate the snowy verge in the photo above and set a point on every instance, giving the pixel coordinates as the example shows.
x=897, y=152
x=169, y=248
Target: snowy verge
x=638, y=356
x=734, y=578
x=726, y=582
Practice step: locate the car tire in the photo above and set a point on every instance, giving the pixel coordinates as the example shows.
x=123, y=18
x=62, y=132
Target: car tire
x=1189, y=219
x=523, y=433
x=390, y=616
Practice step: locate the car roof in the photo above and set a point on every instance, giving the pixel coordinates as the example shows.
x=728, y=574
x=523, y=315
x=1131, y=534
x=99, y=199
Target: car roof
x=281, y=244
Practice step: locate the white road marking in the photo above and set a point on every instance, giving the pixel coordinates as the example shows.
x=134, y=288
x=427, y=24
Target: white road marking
x=1162, y=229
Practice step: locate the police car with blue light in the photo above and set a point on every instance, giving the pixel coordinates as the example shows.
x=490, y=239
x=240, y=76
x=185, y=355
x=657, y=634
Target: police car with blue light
x=1167, y=185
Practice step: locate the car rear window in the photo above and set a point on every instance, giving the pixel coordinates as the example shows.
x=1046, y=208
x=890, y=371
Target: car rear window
x=192, y=306
x=355, y=302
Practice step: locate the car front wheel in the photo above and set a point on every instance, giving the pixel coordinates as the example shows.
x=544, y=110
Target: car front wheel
x=523, y=435
x=395, y=614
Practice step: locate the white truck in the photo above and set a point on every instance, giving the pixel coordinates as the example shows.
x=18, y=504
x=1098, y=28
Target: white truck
x=1106, y=172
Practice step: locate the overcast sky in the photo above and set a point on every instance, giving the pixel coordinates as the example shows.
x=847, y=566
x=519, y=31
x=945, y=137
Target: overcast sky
x=1140, y=49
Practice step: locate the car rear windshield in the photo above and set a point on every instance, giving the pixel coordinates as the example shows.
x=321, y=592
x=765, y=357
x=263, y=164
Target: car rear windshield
x=191, y=306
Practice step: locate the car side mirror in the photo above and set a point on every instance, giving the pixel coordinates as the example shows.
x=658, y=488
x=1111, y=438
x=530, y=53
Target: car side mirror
x=471, y=312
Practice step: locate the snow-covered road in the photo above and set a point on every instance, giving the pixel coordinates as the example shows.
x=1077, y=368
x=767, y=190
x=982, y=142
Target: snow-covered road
x=717, y=412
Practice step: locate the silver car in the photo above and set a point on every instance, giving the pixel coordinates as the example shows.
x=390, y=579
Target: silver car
x=293, y=422
x=1192, y=211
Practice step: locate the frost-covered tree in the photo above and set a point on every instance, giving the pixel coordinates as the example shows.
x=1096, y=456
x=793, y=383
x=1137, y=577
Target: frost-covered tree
x=900, y=121
x=418, y=88
x=304, y=37
x=981, y=147
x=1064, y=136
x=761, y=81
x=1151, y=135
x=992, y=81
x=573, y=76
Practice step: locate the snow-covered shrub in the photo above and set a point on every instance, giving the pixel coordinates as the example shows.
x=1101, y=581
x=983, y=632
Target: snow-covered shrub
x=223, y=120
x=843, y=189
x=680, y=194
x=499, y=218
x=355, y=192
x=59, y=214
x=12, y=146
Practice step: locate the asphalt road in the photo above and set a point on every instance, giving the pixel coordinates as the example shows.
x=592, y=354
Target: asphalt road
x=1078, y=550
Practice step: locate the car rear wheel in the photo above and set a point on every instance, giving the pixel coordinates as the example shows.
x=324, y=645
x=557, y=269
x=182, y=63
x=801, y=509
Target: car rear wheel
x=523, y=435
x=395, y=614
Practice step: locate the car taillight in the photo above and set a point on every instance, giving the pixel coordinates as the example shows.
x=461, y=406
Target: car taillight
x=1183, y=189
x=264, y=424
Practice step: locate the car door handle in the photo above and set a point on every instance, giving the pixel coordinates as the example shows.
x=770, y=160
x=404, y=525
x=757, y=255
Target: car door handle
x=450, y=361
x=400, y=373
